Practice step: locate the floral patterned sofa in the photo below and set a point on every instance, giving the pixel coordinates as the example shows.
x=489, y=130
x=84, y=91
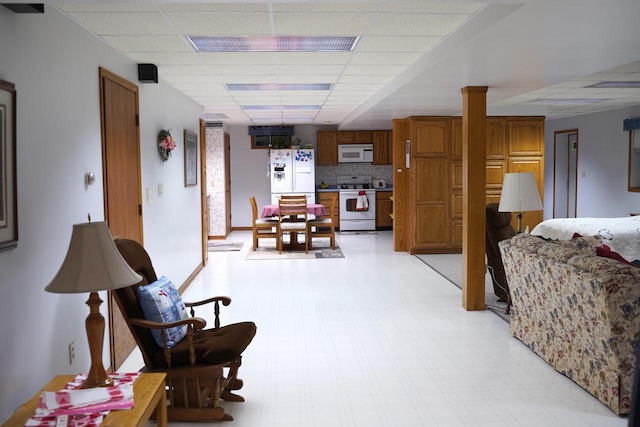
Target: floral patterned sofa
x=578, y=311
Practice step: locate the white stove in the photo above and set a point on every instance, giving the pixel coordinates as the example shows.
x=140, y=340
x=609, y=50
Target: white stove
x=357, y=203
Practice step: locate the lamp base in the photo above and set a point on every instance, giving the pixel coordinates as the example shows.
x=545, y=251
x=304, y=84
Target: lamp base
x=97, y=376
x=519, y=229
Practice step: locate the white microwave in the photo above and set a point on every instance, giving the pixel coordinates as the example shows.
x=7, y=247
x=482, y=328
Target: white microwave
x=355, y=153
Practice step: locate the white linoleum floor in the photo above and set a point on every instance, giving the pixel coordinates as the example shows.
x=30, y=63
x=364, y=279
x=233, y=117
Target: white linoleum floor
x=378, y=339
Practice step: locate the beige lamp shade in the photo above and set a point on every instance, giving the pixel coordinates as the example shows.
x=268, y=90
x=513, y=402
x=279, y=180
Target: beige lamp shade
x=519, y=193
x=93, y=263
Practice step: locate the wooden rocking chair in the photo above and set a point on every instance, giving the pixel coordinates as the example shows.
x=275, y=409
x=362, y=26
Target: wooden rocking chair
x=194, y=366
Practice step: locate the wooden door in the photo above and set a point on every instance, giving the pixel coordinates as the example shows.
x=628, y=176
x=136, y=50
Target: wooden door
x=121, y=181
x=204, y=197
x=227, y=181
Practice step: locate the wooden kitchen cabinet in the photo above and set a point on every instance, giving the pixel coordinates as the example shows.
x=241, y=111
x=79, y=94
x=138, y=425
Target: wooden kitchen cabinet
x=364, y=137
x=384, y=210
x=346, y=137
x=327, y=148
x=328, y=141
x=382, y=154
x=324, y=198
x=433, y=186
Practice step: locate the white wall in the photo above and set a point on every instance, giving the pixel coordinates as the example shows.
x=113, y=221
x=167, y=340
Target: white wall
x=249, y=171
x=54, y=65
x=602, y=158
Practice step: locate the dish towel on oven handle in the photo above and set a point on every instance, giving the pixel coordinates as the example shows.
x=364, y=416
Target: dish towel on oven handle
x=362, y=203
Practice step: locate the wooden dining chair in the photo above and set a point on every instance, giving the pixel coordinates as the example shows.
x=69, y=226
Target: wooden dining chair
x=263, y=228
x=324, y=226
x=293, y=218
x=292, y=197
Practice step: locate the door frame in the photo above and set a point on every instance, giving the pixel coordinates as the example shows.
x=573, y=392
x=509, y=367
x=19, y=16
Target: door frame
x=115, y=318
x=204, y=196
x=556, y=184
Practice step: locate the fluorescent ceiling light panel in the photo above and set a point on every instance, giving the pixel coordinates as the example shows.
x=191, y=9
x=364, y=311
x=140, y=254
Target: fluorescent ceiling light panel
x=617, y=84
x=273, y=43
x=280, y=107
x=278, y=86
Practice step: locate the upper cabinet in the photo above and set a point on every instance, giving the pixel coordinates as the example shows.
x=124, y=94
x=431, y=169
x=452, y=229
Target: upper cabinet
x=328, y=141
x=346, y=137
x=364, y=137
x=525, y=136
x=382, y=154
x=327, y=148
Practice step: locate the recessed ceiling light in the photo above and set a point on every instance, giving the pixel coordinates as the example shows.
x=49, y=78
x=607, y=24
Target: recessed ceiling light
x=617, y=84
x=278, y=86
x=273, y=43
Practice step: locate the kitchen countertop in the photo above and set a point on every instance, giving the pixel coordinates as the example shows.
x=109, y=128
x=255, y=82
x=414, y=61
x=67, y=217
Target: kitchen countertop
x=333, y=188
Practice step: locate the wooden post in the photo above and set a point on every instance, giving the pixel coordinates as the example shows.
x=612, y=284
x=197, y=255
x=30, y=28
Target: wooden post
x=474, y=136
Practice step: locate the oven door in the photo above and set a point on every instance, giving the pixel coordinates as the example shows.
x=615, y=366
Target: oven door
x=353, y=209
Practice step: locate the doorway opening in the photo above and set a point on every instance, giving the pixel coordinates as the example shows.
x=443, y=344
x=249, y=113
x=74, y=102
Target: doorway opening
x=565, y=174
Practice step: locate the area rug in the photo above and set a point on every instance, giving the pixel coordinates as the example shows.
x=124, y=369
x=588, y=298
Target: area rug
x=449, y=266
x=318, y=252
x=224, y=246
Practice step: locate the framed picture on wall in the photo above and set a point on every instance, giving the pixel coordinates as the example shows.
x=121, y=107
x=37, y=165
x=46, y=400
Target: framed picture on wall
x=190, y=158
x=8, y=187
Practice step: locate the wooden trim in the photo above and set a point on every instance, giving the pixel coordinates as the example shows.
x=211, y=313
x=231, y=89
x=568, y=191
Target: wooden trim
x=400, y=184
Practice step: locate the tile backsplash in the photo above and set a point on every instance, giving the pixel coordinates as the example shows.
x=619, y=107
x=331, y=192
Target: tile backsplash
x=329, y=174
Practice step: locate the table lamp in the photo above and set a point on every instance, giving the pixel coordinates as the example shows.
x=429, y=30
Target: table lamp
x=93, y=263
x=519, y=195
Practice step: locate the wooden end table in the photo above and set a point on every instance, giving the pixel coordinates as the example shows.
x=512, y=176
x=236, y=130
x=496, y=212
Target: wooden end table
x=149, y=397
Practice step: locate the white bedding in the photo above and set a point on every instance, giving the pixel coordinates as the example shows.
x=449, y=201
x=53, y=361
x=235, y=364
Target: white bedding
x=622, y=235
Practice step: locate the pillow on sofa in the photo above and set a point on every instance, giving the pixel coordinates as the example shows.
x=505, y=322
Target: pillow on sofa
x=605, y=251
x=582, y=243
x=161, y=302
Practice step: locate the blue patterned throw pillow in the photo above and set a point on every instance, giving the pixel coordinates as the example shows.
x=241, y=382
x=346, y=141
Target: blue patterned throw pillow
x=161, y=302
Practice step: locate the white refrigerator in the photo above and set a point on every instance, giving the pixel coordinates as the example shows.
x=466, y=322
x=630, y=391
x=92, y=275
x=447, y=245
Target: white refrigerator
x=292, y=172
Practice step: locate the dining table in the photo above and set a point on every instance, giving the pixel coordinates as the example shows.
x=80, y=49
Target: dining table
x=316, y=209
x=270, y=211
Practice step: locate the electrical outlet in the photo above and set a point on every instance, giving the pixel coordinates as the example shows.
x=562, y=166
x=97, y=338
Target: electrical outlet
x=72, y=352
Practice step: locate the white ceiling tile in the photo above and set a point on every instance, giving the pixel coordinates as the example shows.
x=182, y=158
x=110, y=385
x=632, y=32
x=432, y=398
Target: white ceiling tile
x=149, y=43
x=160, y=58
x=310, y=69
x=383, y=70
x=126, y=24
x=300, y=78
x=433, y=7
x=417, y=44
x=223, y=24
x=417, y=24
x=396, y=58
x=184, y=70
x=314, y=58
x=365, y=79
x=222, y=7
x=293, y=23
x=233, y=69
x=120, y=7
x=238, y=58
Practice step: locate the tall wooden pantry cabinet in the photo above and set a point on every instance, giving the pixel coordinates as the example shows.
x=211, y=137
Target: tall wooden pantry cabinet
x=431, y=182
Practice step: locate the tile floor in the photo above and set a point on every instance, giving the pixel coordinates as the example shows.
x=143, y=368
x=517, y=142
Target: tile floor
x=378, y=339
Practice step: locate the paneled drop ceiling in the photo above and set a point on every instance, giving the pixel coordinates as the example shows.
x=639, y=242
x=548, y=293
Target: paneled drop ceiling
x=537, y=57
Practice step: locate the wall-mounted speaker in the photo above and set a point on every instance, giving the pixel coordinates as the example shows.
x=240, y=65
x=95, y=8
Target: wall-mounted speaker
x=147, y=73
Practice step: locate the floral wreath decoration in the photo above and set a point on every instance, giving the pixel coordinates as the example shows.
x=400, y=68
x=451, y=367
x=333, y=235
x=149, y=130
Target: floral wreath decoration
x=166, y=144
